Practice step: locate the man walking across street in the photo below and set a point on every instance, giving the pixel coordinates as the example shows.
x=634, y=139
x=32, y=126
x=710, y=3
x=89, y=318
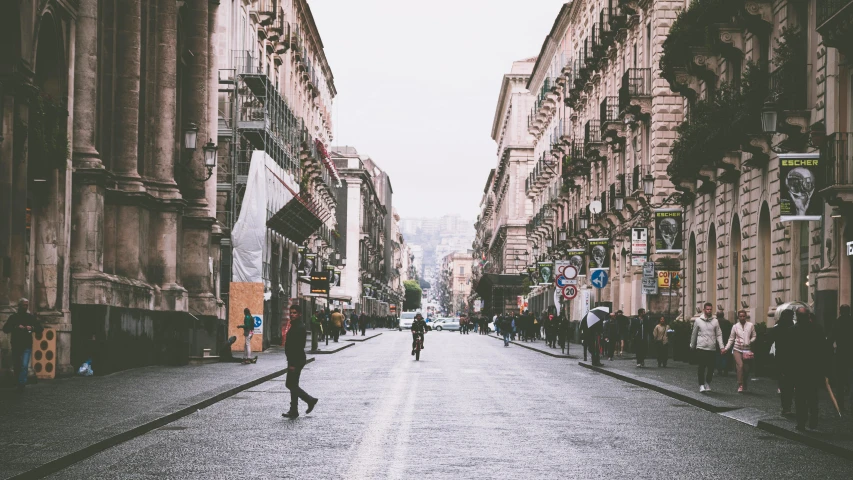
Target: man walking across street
x=21, y=325
x=337, y=324
x=705, y=339
x=638, y=336
x=294, y=349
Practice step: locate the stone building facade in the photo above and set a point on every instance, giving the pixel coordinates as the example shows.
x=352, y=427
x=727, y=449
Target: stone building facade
x=603, y=121
x=456, y=274
x=109, y=221
x=789, y=59
x=276, y=93
x=501, y=242
x=370, y=281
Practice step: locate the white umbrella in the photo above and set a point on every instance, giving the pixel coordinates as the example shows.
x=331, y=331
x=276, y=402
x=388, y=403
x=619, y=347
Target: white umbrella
x=596, y=315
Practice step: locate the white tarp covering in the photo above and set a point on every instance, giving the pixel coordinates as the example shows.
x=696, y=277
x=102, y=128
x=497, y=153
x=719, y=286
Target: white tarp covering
x=250, y=237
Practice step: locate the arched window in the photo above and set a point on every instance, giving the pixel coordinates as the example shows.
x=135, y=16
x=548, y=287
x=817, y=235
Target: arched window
x=692, y=277
x=711, y=268
x=763, y=264
x=736, y=269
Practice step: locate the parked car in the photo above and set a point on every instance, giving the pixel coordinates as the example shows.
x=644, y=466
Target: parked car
x=406, y=320
x=450, y=324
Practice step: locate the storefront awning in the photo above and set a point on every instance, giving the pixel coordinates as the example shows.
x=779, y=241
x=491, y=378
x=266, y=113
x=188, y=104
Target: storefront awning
x=297, y=219
x=496, y=290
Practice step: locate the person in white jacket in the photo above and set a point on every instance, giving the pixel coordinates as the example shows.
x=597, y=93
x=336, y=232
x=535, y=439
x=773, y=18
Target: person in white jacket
x=706, y=337
x=743, y=334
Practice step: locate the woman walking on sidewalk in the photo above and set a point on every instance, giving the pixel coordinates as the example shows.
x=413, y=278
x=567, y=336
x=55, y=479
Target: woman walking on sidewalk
x=741, y=338
x=661, y=341
x=248, y=332
x=704, y=341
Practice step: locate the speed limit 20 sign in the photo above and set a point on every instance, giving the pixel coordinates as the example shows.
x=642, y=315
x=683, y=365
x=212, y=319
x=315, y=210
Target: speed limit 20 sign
x=570, y=292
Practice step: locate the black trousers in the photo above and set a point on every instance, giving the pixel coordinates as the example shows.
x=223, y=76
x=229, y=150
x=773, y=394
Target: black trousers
x=641, y=349
x=591, y=344
x=786, y=388
x=662, y=352
x=296, y=392
x=805, y=399
x=415, y=336
x=707, y=361
x=336, y=333
x=364, y=330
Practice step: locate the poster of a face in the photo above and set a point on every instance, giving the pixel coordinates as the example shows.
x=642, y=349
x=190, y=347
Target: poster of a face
x=532, y=273
x=300, y=259
x=599, y=254
x=799, y=181
x=576, y=259
x=546, y=273
x=668, y=230
x=336, y=279
x=307, y=266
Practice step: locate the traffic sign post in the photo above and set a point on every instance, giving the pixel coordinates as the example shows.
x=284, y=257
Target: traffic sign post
x=570, y=292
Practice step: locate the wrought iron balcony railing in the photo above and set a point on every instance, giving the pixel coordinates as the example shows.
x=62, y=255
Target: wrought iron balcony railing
x=592, y=133
x=609, y=110
x=636, y=82
x=838, y=155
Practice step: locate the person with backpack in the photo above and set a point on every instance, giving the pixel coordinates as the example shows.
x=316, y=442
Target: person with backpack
x=248, y=332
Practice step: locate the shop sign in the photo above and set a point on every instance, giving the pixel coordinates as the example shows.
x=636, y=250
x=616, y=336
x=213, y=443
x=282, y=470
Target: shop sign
x=639, y=241
x=320, y=282
x=850, y=249
x=650, y=286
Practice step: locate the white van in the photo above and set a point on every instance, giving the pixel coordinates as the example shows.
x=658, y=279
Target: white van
x=406, y=320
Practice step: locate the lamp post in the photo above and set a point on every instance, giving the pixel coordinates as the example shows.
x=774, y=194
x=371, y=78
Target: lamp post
x=190, y=145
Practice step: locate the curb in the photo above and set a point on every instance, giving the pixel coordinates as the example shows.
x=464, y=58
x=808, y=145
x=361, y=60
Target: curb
x=66, y=461
x=806, y=439
x=711, y=404
x=363, y=339
x=544, y=352
x=329, y=352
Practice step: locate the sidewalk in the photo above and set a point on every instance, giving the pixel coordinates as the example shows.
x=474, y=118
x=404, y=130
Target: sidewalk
x=759, y=406
x=541, y=347
x=56, y=423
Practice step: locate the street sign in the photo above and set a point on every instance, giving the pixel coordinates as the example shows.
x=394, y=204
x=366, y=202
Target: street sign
x=570, y=272
x=650, y=284
x=259, y=324
x=639, y=241
x=850, y=249
x=599, y=278
x=562, y=282
x=570, y=292
x=638, y=260
x=595, y=207
x=320, y=282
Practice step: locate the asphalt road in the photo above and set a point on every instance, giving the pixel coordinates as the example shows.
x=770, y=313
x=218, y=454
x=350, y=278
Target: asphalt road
x=471, y=408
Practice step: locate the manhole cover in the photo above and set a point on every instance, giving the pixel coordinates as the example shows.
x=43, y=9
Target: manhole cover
x=173, y=428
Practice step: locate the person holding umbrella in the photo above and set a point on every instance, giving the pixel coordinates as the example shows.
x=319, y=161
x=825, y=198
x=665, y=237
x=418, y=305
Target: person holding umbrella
x=592, y=326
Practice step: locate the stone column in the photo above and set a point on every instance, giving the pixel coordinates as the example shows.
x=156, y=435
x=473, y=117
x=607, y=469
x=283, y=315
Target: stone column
x=87, y=235
x=7, y=120
x=129, y=244
x=196, y=273
x=163, y=259
x=128, y=17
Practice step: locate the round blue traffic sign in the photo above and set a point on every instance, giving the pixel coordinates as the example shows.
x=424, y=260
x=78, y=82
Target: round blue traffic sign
x=599, y=278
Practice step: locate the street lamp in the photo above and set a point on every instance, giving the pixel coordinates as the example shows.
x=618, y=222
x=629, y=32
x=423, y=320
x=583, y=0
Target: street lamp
x=535, y=251
x=562, y=235
x=769, y=117
x=190, y=137
x=549, y=243
x=649, y=185
x=210, y=155
x=584, y=221
x=618, y=202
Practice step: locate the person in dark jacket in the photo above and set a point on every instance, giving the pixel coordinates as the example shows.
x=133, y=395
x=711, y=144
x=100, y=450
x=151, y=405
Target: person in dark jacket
x=591, y=339
x=608, y=334
x=294, y=349
x=506, y=328
x=21, y=326
x=724, y=360
x=782, y=336
x=810, y=369
x=362, y=323
x=842, y=338
x=623, y=325
x=639, y=335
x=563, y=333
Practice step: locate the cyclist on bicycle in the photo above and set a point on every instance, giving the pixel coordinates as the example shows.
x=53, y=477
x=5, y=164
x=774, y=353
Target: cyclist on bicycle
x=418, y=330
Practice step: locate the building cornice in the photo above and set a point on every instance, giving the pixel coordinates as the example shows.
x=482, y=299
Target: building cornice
x=549, y=46
x=503, y=101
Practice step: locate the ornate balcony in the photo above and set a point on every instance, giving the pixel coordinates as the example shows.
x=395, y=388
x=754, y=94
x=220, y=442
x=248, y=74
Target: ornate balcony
x=835, y=24
x=838, y=154
x=635, y=95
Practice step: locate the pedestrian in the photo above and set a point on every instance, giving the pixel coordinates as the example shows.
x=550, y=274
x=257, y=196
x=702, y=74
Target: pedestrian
x=294, y=350
x=740, y=343
x=563, y=333
x=623, y=326
x=608, y=329
x=353, y=323
x=722, y=360
x=316, y=331
x=810, y=364
x=362, y=323
x=337, y=324
x=638, y=337
x=592, y=339
x=842, y=337
x=705, y=339
x=782, y=335
x=661, y=340
x=21, y=325
x=248, y=332
x=506, y=329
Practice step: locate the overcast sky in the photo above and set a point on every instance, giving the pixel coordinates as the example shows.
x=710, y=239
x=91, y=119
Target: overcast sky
x=418, y=84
